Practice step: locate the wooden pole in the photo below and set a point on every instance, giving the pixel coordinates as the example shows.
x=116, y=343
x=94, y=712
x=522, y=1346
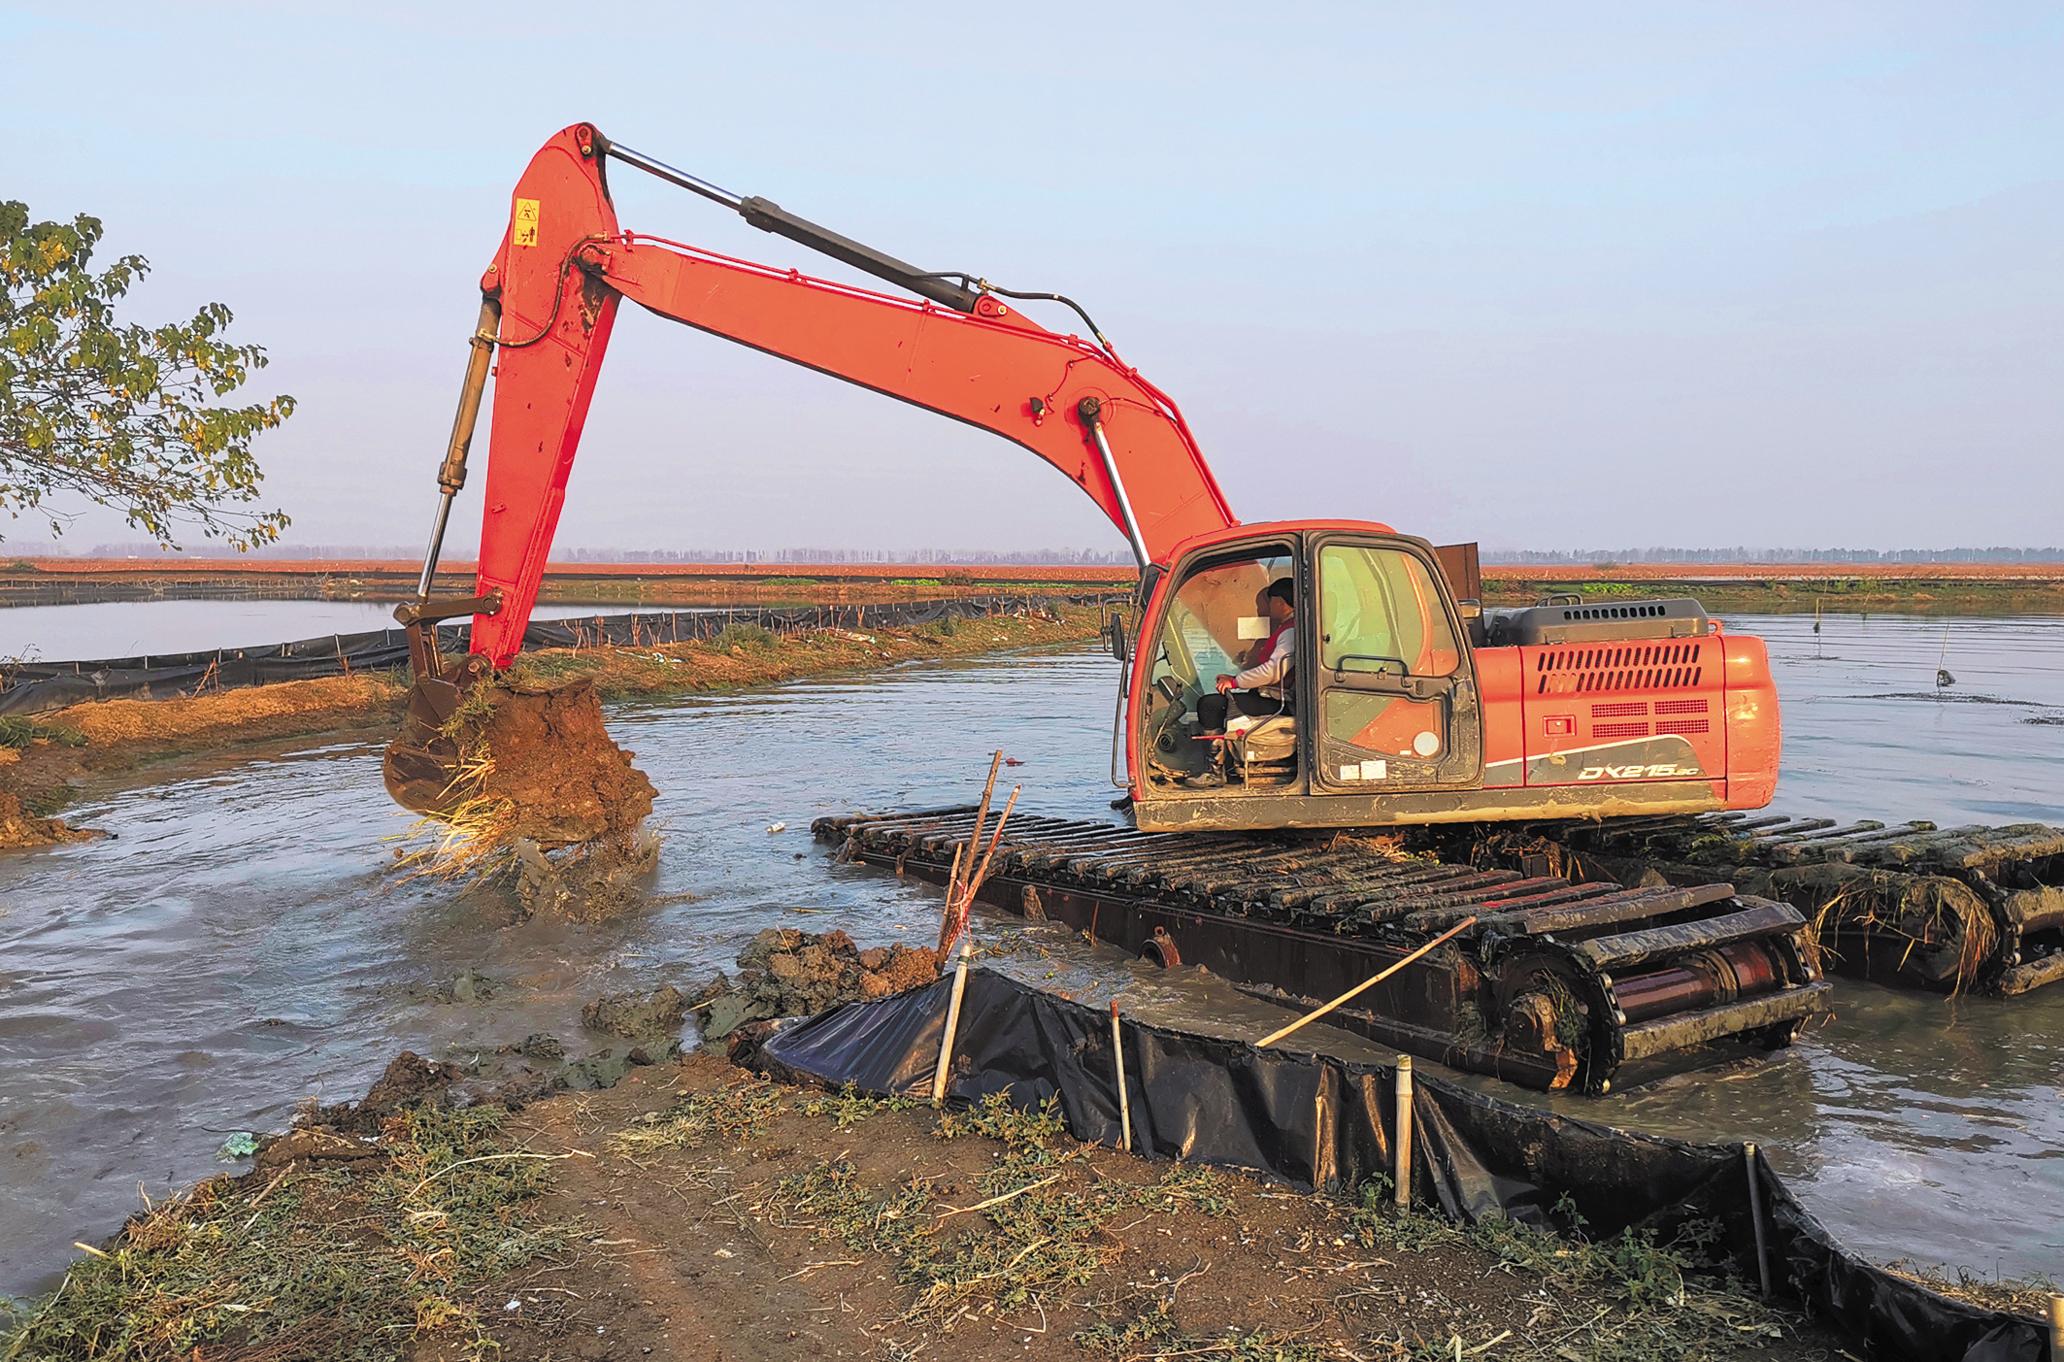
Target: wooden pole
x=982, y=809
x=958, y=905
x=1748, y=1152
x=952, y=892
x=1124, y=1102
x=974, y=844
x=1403, y=1175
x=952, y=1025
x=1272, y=1037
x=2057, y=1326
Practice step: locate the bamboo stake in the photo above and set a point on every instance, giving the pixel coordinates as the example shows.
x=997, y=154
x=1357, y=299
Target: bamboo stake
x=974, y=842
x=1124, y=1101
x=1402, y=1175
x=1756, y=1217
x=952, y=1025
x=2057, y=1326
x=1362, y=987
x=982, y=809
x=957, y=909
x=952, y=891
x=981, y=872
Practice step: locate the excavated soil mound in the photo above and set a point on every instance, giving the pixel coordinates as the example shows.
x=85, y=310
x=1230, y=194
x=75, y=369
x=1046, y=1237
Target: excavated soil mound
x=590, y=883
x=409, y=1079
x=790, y=973
x=564, y=778
x=20, y=828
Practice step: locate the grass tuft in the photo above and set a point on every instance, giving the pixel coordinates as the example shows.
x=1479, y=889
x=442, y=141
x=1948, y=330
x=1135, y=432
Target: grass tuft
x=343, y=1263
x=735, y=1115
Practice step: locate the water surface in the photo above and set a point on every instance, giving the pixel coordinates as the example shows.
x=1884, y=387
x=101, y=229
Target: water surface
x=68, y=633
x=243, y=942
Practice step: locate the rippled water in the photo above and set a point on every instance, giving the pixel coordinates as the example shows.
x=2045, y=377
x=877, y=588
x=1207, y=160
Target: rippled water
x=242, y=943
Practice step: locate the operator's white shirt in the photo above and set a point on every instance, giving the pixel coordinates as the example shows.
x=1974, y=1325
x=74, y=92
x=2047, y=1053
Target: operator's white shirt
x=1268, y=675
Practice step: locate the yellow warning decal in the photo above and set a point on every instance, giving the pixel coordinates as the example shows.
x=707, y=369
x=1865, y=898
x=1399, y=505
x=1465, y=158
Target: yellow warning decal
x=523, y=231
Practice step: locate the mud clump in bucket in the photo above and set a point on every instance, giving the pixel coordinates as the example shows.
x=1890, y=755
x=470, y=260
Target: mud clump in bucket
x=549, y=758
x=590, y=883
x=791, y=973
x=544, y=796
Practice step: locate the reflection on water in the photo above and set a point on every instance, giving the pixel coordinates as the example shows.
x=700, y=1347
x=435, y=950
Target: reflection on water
x=242, y=942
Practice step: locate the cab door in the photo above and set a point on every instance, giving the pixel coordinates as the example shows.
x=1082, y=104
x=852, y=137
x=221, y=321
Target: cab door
x=1393, y=685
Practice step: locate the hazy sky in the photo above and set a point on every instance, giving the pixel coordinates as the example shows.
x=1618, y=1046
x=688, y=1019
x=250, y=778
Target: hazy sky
x=1544, y=276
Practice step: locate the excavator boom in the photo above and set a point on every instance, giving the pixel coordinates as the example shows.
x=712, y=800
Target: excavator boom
x=965, y=353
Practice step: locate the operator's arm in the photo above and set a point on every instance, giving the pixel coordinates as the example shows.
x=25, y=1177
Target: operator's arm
x=1272, y=670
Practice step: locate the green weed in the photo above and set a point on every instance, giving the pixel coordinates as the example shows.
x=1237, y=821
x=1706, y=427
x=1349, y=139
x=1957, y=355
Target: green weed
x=851, y=1106
x=748, y=636
x=16, y=731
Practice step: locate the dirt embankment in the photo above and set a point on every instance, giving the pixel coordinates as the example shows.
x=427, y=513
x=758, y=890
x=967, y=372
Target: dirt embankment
x=1778, y=589
x=695, y=1211
x=63, y=750
x=50, y=581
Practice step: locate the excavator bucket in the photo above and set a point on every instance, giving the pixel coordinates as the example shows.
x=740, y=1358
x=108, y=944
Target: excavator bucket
x=515, y=761
x=421, y=767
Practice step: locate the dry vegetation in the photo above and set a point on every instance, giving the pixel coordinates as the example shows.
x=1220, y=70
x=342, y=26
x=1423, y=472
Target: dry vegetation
x=695, y=1211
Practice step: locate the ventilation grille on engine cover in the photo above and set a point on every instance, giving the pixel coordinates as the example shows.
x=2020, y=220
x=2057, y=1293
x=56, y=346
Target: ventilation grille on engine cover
x=1624, y=666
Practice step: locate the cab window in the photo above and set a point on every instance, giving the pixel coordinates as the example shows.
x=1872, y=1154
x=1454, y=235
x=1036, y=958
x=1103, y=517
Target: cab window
x=1211, y=628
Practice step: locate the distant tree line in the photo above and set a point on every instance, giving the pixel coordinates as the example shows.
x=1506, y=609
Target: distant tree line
x=1111, y=558
x=405, y=553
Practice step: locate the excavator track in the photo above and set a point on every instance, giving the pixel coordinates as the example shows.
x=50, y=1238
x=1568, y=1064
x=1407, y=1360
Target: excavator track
x=1952, y=910
x=1557, y=984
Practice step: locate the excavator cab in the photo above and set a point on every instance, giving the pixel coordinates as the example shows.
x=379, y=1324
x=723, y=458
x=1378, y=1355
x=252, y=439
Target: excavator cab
x=1381, y=698
x=1407, y=704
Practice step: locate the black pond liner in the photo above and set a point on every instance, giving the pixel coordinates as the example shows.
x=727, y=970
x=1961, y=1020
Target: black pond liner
x=1320, y=1123
x=29, y=687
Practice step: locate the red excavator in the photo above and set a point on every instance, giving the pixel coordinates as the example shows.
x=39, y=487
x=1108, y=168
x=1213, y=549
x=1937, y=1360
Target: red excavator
x=1384, y=700
x=1402, y=704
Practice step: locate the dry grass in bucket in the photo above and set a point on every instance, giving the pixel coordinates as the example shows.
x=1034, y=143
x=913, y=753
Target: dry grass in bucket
x=475, y=838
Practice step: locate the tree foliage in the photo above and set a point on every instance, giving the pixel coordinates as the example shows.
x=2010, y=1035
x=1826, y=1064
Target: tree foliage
x=117, y=414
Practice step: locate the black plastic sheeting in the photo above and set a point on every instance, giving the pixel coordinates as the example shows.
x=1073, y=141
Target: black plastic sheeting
x=28, y=687
x=1320, y=1123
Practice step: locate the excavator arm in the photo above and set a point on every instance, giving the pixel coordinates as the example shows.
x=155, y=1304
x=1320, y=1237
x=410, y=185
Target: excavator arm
x=961, y=349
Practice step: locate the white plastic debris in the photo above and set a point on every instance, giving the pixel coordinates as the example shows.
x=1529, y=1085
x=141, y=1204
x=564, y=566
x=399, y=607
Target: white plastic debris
x=777, y=827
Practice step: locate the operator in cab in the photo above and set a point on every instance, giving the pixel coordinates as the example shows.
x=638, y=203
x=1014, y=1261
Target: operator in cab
x=1263, y=689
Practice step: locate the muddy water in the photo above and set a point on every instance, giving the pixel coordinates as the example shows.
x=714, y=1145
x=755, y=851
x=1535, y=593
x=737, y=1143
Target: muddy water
x=241, y=942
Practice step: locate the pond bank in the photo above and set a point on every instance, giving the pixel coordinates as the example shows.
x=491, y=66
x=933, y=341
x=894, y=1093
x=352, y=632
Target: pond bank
x=696, y=1210
x=2036, y=590
x=45, y=761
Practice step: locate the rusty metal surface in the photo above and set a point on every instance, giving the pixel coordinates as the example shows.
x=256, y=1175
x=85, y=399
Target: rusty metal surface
x=1530, y=992
x=1956, y=909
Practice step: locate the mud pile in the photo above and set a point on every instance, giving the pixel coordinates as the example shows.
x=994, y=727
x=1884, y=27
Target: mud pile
x=408, y=1080
x=538, y=793
x=20, y=828
x=790, y=973
x=550, y=760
